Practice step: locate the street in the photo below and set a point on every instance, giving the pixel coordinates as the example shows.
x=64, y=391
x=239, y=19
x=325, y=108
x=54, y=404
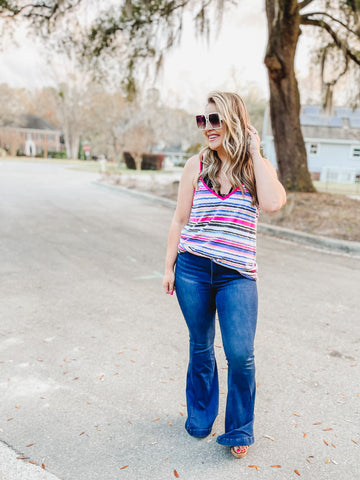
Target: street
x=93, y=354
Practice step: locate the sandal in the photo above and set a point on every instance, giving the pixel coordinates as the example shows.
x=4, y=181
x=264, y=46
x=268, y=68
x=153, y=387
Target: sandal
x=239, y=452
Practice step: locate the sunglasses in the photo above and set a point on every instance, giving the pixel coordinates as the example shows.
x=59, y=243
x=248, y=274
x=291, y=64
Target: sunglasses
x=213, y=119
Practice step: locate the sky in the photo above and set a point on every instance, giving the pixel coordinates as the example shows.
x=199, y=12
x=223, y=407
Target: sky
x=232, y=60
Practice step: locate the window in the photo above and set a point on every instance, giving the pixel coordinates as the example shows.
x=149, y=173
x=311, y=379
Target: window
x=356, y=153
x=313, y=148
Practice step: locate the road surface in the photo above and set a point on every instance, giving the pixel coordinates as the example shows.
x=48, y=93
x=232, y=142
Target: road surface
x=93, y=355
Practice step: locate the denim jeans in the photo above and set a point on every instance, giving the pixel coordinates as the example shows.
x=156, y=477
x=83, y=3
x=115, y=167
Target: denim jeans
x=202, y=287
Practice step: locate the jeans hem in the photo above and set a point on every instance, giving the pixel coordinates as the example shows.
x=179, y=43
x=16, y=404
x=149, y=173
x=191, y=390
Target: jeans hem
x=198, y=433
x=235, y=442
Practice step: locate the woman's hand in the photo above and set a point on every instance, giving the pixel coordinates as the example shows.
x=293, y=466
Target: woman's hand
x=169, y=282
x=254, y=141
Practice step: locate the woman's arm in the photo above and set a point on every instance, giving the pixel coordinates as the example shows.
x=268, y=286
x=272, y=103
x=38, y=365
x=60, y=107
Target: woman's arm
x=271, y=194
x=180, y=219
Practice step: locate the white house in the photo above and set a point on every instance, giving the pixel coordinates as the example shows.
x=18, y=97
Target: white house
x=332, y=142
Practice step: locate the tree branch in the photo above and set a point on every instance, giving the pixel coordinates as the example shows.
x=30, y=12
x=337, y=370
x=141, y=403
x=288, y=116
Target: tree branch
x=18, y=10
x=304, y=4
x=337, y=40
x=307, y=15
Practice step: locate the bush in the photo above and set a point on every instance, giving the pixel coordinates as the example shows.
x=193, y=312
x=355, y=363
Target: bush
x=60, y=155
x=152, y=161
x=129, y=161
x=149, y=161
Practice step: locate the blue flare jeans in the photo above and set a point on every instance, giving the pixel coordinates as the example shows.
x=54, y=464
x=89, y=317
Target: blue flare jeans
x=203, y=287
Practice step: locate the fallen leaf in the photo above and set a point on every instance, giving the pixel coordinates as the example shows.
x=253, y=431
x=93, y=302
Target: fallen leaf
x=9, y=419
x=76, y=378
x=326, y=443
x=328, y=460
x=181, y=413
x=176, y=474
x=82, y=433
x=327, y=429
x=270, y=438
x=297, y=472
x=304, y=435
x=125, y=466
x=43, y=466
x=17, y=406
x=297, y=414
x=333, y=445
x=133, y=361
x=275, y=466
x=254, y=466
x=354, y=441
x=214, y=434
x=22, y=458
x=30, y=445
x=167, y=458
x=32, y=463
x=317, y=423
x=156, y=419
x=170, y=424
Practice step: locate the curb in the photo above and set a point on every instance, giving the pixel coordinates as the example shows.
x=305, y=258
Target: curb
x=326, y=243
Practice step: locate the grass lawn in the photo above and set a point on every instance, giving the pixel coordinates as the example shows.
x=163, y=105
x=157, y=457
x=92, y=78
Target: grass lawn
x=84, y=165
x=338, y=188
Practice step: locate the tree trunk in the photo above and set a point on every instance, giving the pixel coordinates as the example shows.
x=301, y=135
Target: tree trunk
x=284, y=30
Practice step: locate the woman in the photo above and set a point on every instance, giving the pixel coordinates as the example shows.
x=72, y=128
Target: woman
x=212, y=241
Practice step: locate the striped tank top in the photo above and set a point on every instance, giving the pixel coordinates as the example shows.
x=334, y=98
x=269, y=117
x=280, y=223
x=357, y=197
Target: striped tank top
x=223, y=229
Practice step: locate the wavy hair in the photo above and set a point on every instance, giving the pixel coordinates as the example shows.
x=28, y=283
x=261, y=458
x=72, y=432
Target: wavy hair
x=239, y=168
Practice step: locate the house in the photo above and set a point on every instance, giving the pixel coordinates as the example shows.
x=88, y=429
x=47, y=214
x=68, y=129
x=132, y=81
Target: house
x=31, y=136
x=332, y=143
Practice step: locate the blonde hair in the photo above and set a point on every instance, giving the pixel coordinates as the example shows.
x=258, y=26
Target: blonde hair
x=239, y=169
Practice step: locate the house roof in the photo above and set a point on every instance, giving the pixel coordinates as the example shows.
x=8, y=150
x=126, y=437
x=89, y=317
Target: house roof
x=342, y=124
x=34, y=122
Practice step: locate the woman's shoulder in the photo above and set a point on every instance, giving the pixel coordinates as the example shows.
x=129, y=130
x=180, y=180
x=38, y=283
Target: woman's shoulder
x=192, y=169
x=193, y=163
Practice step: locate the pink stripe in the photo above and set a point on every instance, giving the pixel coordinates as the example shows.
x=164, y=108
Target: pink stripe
x=224, y=219
x=218, y=244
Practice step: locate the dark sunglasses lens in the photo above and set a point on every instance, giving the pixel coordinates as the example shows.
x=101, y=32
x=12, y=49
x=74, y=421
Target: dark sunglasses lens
x=201, y=121
x=214, y=119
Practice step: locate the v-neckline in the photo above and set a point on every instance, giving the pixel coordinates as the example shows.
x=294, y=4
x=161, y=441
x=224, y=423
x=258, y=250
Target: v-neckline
x=216, y=194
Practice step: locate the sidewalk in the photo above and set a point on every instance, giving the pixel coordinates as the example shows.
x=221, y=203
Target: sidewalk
x=13, y=468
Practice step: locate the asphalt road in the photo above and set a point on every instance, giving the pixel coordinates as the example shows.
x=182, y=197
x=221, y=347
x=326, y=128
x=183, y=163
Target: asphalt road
x=93, y=355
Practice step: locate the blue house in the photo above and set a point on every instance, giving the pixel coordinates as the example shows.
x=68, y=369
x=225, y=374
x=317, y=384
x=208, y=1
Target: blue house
x=332, y=143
